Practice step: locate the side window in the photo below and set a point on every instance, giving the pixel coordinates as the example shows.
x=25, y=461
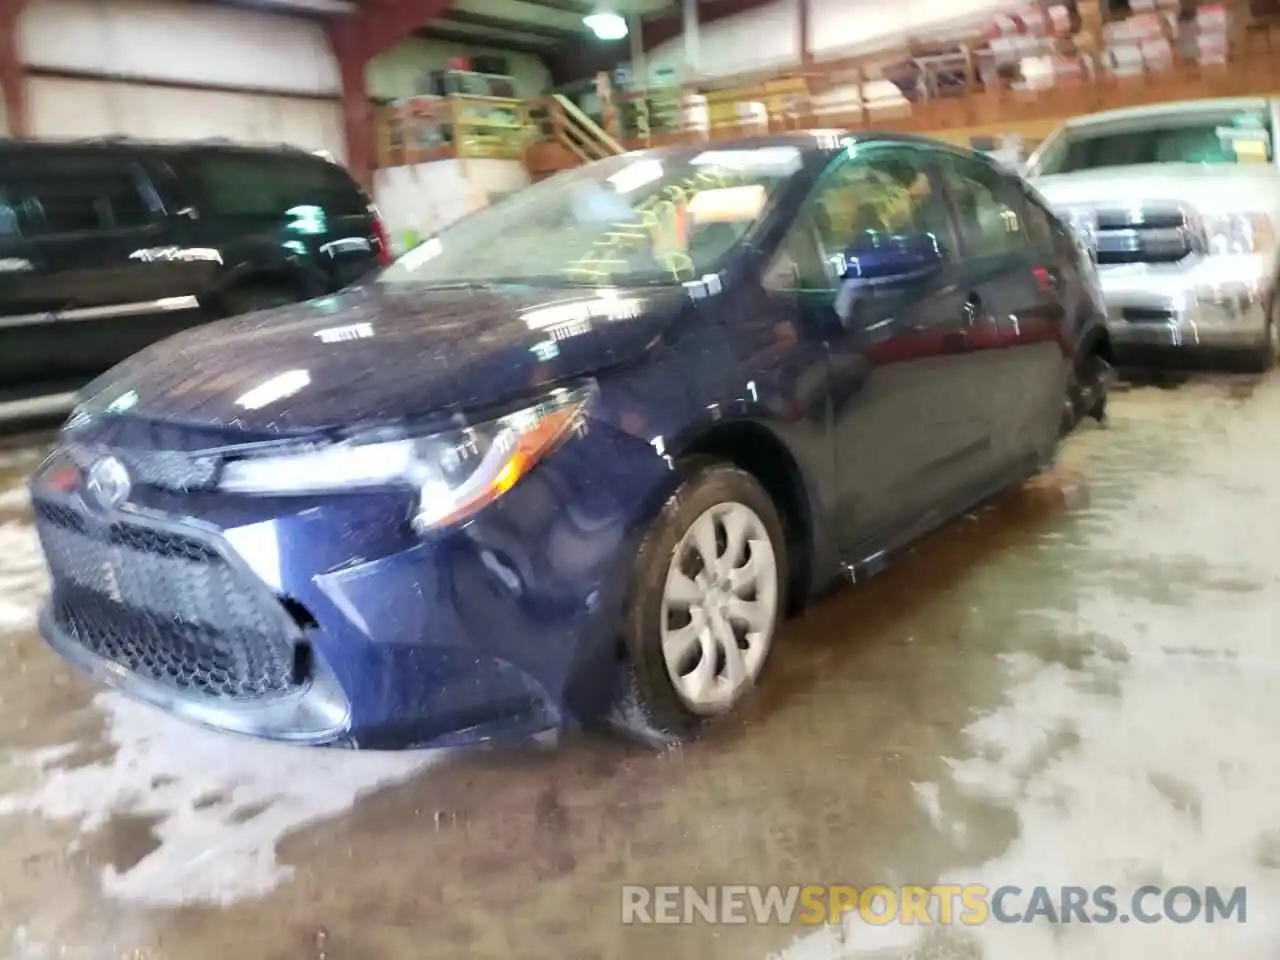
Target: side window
x=1040, y=225
x=885, y=189
x=272, y=186
x=79, y=195
x=988, y=207
x=8, y=216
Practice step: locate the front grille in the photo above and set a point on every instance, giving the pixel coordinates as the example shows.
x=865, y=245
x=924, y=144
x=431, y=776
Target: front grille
x=1148, y=234
x=1156, y=218
x=1146, y=315
x=166, y=606
x=172, y=470
x=166, y=469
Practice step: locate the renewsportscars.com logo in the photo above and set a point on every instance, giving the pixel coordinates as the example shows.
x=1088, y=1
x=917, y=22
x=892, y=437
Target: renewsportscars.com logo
x=942, y=904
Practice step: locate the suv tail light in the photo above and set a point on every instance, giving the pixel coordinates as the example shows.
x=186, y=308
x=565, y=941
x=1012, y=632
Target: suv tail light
x=382, y=237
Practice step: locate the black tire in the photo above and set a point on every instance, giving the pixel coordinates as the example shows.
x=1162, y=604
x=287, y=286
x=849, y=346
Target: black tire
x=648, y=706
x=250, y=298
x=1087, y=391
x=1263, y=359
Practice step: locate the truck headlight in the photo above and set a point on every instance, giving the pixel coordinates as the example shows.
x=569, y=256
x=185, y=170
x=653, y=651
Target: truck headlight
x=455, y=473
x=1235, y=233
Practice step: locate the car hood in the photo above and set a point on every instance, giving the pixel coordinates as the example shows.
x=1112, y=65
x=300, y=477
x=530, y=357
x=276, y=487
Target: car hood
x=378, y=353
x=1208, y=187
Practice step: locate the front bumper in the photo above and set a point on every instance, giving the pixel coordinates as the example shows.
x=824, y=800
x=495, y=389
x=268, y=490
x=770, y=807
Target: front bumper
x=1215, y=303
x=504, y=627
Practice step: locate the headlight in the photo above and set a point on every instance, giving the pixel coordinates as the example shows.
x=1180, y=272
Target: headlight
x=455, y=473
x=1239, y=233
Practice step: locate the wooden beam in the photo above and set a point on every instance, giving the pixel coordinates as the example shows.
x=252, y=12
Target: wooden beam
x=580, y=7
x=467, y=18
x=440, y=31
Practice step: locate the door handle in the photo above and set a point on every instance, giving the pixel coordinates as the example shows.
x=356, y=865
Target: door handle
x=971, y=310
x=15, y=265
x=1047, y=278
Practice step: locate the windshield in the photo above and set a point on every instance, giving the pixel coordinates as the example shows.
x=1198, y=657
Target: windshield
x=631, y=219
x=1241, y=137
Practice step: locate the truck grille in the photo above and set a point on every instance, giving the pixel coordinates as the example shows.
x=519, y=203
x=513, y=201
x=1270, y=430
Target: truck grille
x=1149, y=234
x=166, y=606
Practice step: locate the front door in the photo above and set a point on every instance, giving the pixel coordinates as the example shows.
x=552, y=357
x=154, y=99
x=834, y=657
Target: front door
x=901, y=381
x=79, y=290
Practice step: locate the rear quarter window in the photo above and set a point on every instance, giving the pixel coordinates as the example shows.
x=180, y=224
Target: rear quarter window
x=271, y=186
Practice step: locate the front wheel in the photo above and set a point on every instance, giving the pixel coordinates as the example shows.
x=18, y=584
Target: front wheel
x=706, y=595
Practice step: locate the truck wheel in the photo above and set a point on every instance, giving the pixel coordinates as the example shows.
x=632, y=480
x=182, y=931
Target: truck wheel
x=1264, y=358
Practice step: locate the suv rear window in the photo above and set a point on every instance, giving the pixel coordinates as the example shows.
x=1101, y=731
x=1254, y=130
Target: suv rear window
x=268, y=185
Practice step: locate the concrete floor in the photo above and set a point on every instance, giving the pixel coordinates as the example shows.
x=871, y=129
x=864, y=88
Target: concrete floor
x=1076, y=685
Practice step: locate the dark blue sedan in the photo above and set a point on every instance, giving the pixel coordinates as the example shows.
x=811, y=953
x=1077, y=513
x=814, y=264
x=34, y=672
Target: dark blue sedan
x=575, y=457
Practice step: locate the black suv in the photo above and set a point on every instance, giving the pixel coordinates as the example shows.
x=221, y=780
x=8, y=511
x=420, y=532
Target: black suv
x=107, y=246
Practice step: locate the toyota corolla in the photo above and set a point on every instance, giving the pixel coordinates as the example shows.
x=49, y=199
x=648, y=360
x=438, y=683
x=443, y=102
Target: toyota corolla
x=575, y=457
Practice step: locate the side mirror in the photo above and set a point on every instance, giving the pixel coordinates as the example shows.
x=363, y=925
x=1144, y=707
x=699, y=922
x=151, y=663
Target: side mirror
x=879, y=256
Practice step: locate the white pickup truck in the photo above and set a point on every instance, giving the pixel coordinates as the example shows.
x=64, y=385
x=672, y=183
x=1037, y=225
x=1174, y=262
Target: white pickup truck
x=1181, y=202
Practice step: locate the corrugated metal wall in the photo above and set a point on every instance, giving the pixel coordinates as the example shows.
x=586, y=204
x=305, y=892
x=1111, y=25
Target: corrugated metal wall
x=177, y=70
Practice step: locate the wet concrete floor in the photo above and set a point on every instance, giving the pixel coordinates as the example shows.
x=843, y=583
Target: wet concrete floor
x=1076, y=685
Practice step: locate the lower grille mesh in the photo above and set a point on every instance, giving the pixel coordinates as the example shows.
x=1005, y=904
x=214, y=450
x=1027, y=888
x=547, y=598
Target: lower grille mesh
x=166, y=606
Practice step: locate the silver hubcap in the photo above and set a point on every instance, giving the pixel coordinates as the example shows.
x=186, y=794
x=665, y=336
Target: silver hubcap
x=719, y=607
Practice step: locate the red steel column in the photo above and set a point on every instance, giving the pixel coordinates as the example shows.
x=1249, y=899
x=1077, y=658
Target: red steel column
x=357, y=112
x=356, y=39
x=13, y=81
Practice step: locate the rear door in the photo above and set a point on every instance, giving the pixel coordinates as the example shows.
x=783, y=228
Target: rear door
x=79, y=296
x=1016, y=318
x=297, y=219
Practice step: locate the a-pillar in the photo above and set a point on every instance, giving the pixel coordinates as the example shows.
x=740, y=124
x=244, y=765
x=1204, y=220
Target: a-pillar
x=13, y=81
x=356, y=39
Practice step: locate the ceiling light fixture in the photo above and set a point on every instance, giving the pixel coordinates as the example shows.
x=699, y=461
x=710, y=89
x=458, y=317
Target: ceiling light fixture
x=606, y=26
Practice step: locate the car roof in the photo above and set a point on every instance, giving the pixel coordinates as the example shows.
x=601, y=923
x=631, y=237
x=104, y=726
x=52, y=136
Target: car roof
x=130, y=145
x=830, y=142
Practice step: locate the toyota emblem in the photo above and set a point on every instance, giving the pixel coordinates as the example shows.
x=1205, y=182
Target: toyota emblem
x=108, y=483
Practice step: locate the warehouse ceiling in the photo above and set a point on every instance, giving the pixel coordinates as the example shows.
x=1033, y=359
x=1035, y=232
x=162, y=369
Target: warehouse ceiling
x=534, y=26
x=542, y=27
x=550, y=29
